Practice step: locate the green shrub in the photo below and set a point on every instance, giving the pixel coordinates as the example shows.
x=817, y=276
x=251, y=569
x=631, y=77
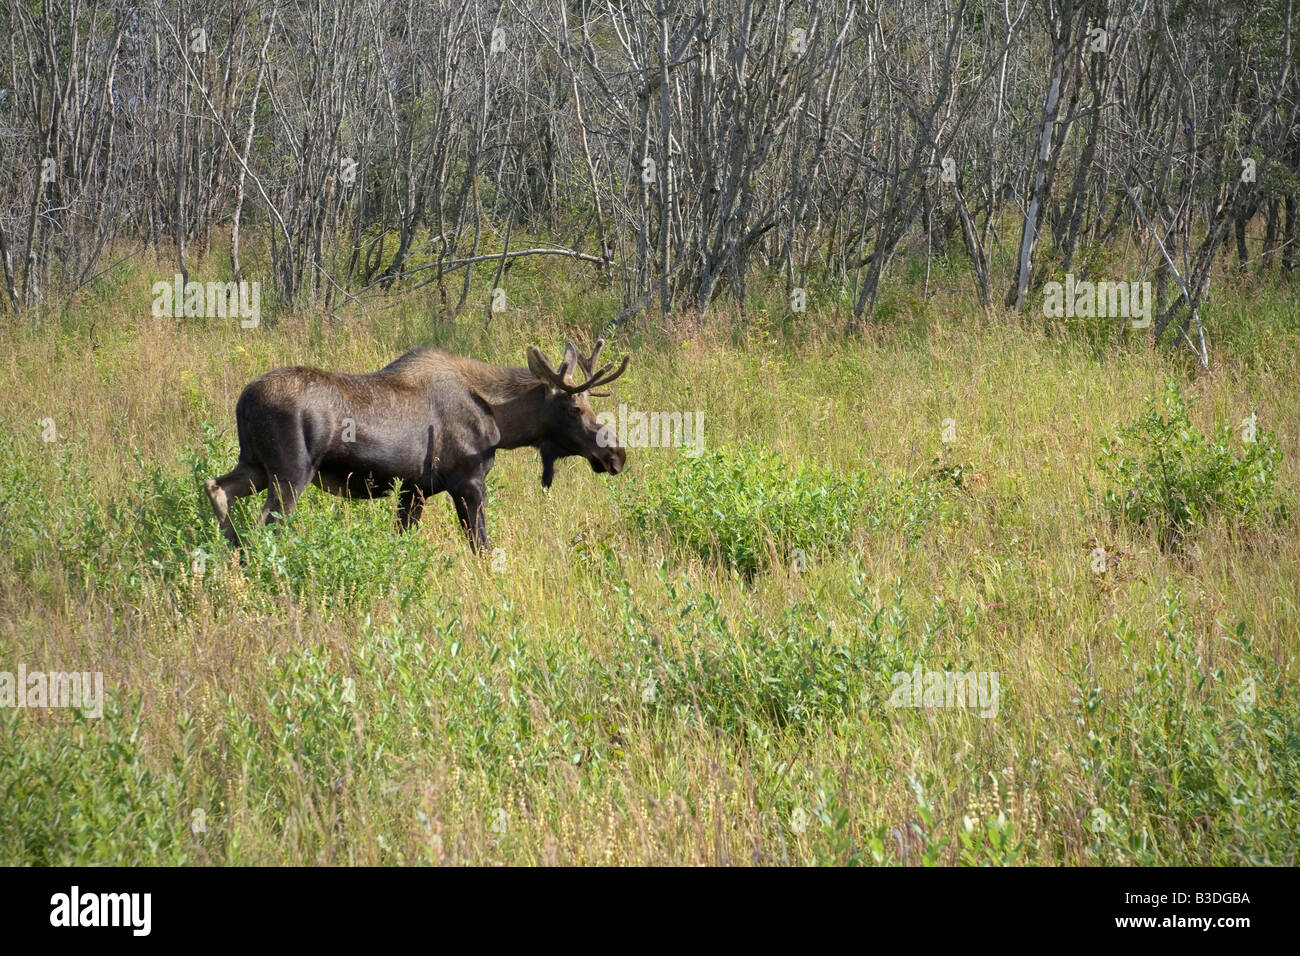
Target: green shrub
x=1164, y=471
x=74, y=785
x=768, y=678
x=798, y=673
x=747, y=508
x=1180, y=757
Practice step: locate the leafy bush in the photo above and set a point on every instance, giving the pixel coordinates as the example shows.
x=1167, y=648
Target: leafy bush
x=1179, y=755
x=74, y=785
x=748, y=507
x=752, y=679
x=768, y=678
x=1164, y=471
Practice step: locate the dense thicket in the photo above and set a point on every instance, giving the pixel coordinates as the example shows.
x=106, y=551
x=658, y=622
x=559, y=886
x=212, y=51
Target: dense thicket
x=673, y=147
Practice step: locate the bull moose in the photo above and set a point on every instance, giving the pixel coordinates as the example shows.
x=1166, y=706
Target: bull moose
x=428, y=422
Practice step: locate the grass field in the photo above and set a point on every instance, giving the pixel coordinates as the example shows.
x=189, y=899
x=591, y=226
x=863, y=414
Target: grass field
x=692, y=662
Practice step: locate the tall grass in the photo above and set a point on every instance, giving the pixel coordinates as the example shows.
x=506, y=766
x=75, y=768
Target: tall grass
x=646, y=674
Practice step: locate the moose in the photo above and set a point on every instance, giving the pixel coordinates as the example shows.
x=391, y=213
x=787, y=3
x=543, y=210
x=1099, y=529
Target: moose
x=428, y=422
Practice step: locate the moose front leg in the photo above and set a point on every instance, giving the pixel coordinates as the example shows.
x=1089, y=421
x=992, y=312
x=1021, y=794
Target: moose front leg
x=549, y=454
x=468, y=498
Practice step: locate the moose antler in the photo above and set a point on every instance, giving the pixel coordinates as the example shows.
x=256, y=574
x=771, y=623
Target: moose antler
x=557, y=379
x=589, y=363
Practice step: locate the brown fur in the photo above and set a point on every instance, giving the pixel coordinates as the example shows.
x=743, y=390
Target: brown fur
x=426, y=423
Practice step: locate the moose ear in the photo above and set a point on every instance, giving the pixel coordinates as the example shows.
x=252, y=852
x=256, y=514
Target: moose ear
x=538, y=365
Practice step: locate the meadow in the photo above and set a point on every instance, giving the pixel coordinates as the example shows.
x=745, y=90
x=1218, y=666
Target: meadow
x=692, y=662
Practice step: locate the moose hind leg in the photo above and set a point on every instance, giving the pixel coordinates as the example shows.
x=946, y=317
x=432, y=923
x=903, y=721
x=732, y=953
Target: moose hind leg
x=410, y=507
x=282, y=497
x=243, y=479
x=290, y=468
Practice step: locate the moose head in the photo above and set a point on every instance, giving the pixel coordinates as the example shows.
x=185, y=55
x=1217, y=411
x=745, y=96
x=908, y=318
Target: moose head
x=569, y=423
